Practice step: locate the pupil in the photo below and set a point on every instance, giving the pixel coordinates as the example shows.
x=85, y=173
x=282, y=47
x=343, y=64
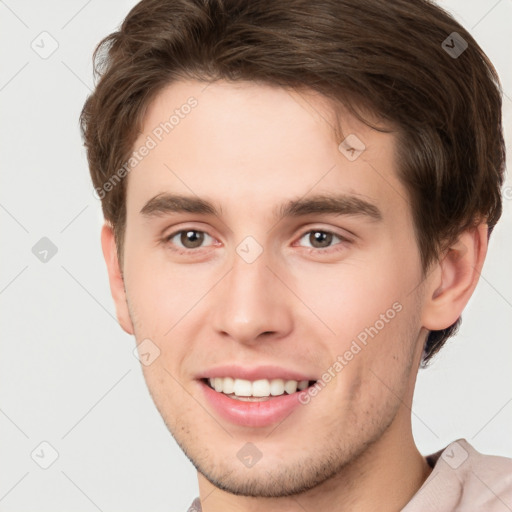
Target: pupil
x=192, y=239
x=320, y=239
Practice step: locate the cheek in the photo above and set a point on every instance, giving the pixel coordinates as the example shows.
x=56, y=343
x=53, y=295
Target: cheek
x=162, y=295
x=352, y=296
x=374, y=324
x=169, y=396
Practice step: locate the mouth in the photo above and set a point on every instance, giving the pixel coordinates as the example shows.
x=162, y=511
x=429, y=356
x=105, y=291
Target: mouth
x=254, y=403
x=260, y=390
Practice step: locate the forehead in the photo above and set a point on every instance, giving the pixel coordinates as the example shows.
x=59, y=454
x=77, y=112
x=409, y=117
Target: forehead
x=238, y=142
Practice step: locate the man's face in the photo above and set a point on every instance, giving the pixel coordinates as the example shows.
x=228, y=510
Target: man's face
x=246, y=293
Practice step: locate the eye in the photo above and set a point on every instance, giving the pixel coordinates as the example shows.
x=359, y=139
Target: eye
x=189, y=238
x=319, y=239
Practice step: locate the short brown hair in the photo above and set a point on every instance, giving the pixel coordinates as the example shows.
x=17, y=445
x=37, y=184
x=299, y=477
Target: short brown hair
x=390, y=58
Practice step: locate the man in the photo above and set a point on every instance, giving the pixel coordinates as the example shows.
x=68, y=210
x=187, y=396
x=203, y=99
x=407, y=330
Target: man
x=298, y=198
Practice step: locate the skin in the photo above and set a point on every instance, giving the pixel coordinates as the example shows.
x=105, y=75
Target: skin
x=248, y=148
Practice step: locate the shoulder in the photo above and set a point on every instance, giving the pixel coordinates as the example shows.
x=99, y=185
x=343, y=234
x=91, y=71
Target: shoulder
x=487, y=478
x=196, y=506
x=484, y=481
x=462, y=480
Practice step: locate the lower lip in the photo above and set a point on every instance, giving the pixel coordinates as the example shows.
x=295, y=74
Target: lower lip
x=251, y=414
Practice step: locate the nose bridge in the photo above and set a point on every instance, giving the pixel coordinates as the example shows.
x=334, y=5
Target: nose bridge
x=250, y=301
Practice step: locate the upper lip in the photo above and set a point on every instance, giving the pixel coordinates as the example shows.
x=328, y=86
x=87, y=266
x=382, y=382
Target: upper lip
x=254, y=373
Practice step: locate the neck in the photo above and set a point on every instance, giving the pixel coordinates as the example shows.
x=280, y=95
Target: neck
x=384, y=477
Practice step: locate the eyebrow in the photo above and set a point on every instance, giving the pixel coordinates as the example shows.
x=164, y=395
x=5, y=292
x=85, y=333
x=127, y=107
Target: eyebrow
x=340, y=204
x=163, y=204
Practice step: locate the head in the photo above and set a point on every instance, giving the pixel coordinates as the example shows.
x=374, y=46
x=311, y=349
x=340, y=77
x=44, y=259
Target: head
x=335, y=176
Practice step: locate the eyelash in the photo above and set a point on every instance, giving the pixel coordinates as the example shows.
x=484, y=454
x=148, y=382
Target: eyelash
x=342, y=240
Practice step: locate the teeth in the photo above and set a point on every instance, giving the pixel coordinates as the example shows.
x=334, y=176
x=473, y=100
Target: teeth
x=242, y=387
x=303, y=384
x=258, y=388
x=217, y=385
x=290, y=386
x=276, y=387
x=261, y=388
x=228, y=385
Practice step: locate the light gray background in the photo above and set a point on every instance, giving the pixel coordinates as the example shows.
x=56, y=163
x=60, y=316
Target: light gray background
x=68, y=375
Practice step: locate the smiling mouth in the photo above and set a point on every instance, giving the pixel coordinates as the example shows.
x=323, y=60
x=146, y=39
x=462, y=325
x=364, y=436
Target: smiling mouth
x=260, y=390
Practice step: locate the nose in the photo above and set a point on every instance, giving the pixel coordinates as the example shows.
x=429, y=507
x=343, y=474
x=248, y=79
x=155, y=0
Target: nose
x=251, y=303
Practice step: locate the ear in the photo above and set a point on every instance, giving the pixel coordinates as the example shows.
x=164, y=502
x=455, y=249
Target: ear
x=454, y=279
x=115, y=278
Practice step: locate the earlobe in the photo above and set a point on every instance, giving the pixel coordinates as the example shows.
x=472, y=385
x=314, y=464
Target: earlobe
x=455, y=279
x=115, y=278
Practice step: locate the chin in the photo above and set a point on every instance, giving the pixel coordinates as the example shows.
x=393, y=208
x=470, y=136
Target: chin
x=290, y=480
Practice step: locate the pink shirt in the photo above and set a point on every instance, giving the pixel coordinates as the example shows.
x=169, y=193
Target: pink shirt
x=462, y=480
